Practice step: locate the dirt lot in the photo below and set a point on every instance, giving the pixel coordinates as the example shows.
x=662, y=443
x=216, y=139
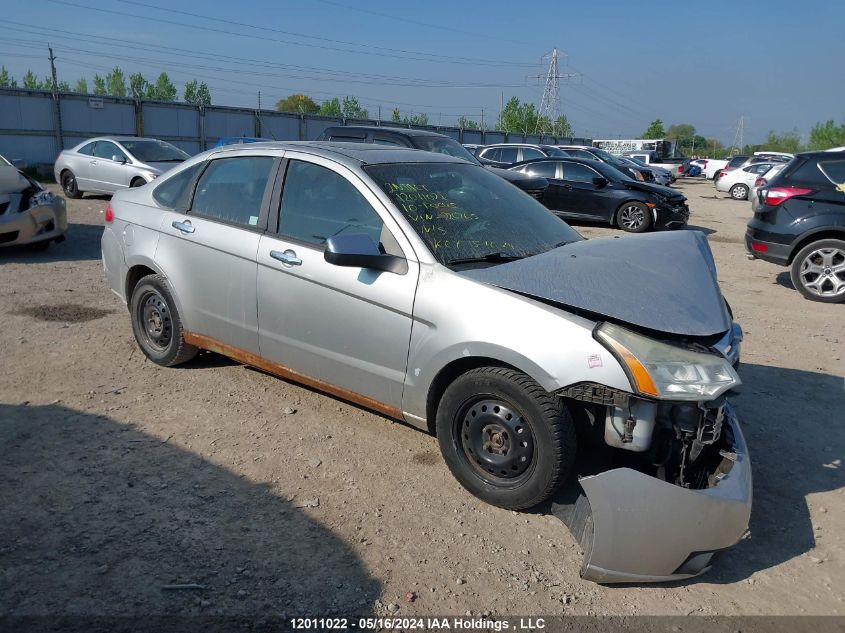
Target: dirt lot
x=120, y=478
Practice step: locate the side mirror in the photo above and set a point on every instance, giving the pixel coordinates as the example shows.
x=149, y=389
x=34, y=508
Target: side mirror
x=359, y=251
x=599, y=181
x=119, y=159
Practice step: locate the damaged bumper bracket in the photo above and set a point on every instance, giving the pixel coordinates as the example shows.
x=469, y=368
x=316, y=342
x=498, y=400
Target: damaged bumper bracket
x=636, y=528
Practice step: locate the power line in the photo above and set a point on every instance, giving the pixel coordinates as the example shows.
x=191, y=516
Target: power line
x=400, y=53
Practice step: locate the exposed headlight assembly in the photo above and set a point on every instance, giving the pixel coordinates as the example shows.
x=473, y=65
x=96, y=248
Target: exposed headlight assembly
x=658, y=370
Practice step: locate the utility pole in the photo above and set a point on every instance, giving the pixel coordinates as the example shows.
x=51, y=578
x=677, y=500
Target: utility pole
x=57, y=110
x=550, y=104
x=501, y=109
x=258, y=117
x=482, y=119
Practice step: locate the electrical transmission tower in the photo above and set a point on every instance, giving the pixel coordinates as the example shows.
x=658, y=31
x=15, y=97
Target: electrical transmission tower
x=550, y=104
x=740, y=130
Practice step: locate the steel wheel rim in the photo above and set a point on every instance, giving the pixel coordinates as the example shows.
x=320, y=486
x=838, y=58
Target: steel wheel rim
x=822, y=272
x=154, y=321
x=632, y=217
x=496, y=440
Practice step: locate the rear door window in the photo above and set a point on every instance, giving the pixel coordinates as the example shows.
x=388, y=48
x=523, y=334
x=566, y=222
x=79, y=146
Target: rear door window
x=529, y=153
x=490, y=153
x=231, y=190
x=508, y=154
x=544, y=169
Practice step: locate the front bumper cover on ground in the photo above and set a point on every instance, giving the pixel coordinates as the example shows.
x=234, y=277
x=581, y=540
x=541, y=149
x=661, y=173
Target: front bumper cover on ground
x=636, y=528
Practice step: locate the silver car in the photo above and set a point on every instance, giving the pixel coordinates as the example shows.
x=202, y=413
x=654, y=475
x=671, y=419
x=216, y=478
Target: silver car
x=29, y=214
x=432, y=291
x=109, y=164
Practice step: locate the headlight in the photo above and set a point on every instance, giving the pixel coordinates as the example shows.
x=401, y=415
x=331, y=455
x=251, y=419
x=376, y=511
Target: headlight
x=664, y=371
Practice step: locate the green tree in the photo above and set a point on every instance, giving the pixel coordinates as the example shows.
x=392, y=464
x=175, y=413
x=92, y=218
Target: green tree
x=116, y=83
x=139, y=87
x=352, y=109
x=197, y=93
x=655, y=130
x=30, y=81
x=416, y=119
x=826, y=135
x=163, y=89
x=561, y=126
x=331, y=107
x=466, y=124
x=680, y=131
x=6, y=80
x=299, y=103
x=99, y=85
x=81, y=85
x=46, y=83
x=64, y=86
x=519, y=117
x=396, y=116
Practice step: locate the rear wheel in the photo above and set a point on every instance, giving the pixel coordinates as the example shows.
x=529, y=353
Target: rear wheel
x=69, y=185
x=818, y=271
x=505, y=438
x=739, y=192
x=634, y=217
x=156, y=323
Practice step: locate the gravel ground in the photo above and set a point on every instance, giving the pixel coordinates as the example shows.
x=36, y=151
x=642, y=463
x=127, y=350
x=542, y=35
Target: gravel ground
x=121, y=479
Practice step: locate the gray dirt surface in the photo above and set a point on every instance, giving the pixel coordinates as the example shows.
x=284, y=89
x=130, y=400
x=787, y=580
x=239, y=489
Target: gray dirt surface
x=120, y=477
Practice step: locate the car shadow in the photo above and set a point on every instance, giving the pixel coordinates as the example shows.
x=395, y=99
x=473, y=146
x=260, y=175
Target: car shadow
x=785, y=279
x=790, y=421
x=82, y=242
x=102, y=519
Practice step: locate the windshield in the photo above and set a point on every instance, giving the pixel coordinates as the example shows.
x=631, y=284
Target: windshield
x=154, y=151
x=612, y=173
x=605, y=156
x=465, y=212
x=448, y=146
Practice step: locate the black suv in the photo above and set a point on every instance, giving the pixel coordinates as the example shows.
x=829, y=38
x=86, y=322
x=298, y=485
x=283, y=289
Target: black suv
x=800, y=222
x=429, y=142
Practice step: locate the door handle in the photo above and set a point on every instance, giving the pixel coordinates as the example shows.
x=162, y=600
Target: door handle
x=185, y=226
x=287, y=257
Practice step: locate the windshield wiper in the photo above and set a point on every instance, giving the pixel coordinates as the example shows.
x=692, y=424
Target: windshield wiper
x=489, y=257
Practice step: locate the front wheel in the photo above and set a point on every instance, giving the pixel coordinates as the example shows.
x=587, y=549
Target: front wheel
x=818, y=271
x=156, y=323
x=505, y=438
x=634, y=217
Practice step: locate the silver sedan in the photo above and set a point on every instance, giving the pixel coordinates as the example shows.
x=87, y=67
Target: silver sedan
x=29, y=214
x=434, y=292
x=108, y=164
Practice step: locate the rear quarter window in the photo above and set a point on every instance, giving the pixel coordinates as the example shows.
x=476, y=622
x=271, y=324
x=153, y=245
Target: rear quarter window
x=175, y=192
x=808, y=173
x=834, y=170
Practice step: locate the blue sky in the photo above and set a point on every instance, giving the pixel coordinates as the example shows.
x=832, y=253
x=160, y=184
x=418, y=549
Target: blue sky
x=774, y=62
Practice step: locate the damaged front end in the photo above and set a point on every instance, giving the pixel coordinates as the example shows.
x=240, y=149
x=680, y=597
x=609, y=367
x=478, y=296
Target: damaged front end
x=28, y=213
x=665, y=478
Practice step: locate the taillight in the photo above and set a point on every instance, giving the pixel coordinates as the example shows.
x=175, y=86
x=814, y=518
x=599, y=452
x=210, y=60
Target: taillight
x=108, y=215
x=774, y=196
x=680, y=169
x=759, y=248
x=760, y=182
x=722, y=173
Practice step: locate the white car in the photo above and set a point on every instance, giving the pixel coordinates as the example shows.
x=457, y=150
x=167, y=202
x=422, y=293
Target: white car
x=738, y=182
x=762, y=181
x=712, y=167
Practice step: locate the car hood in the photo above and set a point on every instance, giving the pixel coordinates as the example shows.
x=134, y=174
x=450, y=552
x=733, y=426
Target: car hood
x=659, y=281
x=652, y=188
x=11, y=180
x=160, y=167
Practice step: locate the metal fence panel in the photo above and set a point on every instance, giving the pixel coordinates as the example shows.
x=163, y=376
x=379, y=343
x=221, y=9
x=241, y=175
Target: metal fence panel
x=473, y=136
x=171, y=122
x=491, y=138
x=533, y=138
x=96, y=116
x=280, y=127
x=21, y=111
x=220, y=122
x=28, y=148
x=451, y=132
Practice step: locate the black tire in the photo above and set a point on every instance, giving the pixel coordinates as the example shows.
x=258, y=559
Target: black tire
x=739, y=192
x=69, y=186
x=138, y=182
x=156, y=323
x=818, y=271
x=634, y=217
x=478, y=420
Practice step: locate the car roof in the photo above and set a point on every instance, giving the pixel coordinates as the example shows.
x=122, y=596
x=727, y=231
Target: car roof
x=557, y=159
x=383, y=128
x=350, y=153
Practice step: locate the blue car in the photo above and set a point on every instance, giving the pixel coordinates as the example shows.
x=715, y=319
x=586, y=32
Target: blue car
x=235, y=140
